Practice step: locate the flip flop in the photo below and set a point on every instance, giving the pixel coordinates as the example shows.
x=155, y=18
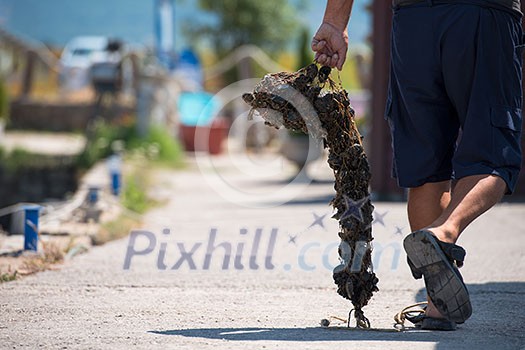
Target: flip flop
x=415, y=314
x=425, y=322
x=437, y=324
x=422, y=321
x=438, y=263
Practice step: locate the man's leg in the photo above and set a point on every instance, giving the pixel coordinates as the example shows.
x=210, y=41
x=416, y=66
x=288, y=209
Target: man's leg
x=426, y=203
x=471, y=196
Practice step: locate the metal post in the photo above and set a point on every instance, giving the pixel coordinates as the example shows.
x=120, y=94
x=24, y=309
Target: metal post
x=92, y=197
x=115, y=183
x=383, y=186
x=31, y=227
x=27, y=82
x=115, y=174
x=164, y=14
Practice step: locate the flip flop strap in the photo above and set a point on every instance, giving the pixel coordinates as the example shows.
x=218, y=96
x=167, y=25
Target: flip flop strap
x=415, y=272
x=454, y=252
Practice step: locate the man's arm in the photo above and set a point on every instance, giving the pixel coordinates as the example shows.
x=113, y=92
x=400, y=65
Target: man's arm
x=330, y=43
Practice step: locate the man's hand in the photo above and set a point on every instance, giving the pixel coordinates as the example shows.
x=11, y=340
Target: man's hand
x=330, y=43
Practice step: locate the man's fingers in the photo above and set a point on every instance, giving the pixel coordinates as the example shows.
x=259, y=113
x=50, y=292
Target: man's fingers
x=333, y=60
x=322, y=58
x=318, y=45
x=326, y=56
x=314, y=44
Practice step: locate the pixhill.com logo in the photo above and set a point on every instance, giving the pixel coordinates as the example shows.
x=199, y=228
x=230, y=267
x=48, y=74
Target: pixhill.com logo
x=257, y=254
x=262, y=249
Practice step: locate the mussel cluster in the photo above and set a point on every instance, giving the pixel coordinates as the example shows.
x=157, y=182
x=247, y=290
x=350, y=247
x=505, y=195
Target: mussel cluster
x=310, y=101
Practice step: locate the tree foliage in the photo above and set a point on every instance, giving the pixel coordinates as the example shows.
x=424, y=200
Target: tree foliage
x=304, y=52
x=233, y=23
x=4, y=100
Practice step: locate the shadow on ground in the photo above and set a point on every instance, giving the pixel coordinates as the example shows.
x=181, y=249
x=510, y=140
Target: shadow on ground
x=497, y=323
x=291, y=334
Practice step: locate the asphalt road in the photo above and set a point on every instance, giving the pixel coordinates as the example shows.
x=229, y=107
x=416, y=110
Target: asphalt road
x=231, y=267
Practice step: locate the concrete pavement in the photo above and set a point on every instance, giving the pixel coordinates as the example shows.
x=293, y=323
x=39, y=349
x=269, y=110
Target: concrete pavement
x=225, y=264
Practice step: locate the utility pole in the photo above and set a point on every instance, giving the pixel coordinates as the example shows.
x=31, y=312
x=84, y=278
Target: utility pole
x=383, y=186
x=164, y=33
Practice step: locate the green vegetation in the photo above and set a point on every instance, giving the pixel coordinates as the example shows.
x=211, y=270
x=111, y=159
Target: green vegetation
x=134, y=194
x=52, y=254
x=118, y=228
x=19, y=158
x=100, y=139
x=267, y=24
x=8, y=276
x=158, y=146
x=4, y=101
x=305, y=55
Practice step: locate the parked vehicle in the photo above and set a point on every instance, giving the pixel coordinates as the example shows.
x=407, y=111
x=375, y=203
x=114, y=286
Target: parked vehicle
x=79, y=56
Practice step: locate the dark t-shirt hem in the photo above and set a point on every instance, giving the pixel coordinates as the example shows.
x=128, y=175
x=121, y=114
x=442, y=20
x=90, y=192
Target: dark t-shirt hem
x=514, y=8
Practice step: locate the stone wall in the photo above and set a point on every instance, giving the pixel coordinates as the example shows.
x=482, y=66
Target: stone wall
x=33, y=115
x=49, y=116
x=30, y=184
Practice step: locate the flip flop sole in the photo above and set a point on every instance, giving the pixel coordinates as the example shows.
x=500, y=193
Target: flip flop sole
x=437, y=324
x=443, y=281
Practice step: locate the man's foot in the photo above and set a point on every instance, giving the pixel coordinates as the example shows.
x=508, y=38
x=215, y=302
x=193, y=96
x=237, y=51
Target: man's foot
x=419, y=318
x=431, y=310
x=436, y=261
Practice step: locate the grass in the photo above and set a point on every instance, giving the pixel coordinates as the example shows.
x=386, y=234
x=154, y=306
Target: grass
x=112, y=230
x=8, y=276
x=158, y=147
x=134, y=195
x=51, y=254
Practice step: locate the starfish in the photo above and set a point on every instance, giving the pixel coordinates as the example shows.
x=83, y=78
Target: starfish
x=379, y=218
x=353, y=208
x=318, y=220
x=399, y=230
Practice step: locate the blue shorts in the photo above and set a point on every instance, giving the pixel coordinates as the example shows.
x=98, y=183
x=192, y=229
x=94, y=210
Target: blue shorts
x=455, y=93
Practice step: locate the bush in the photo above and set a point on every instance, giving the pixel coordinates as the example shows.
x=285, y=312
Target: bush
x=99, y=142
x=134, y=196
x=169, y=149
x=19, y=158
x=158, y=145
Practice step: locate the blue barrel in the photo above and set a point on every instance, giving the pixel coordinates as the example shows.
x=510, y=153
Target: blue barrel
x=31, y=227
